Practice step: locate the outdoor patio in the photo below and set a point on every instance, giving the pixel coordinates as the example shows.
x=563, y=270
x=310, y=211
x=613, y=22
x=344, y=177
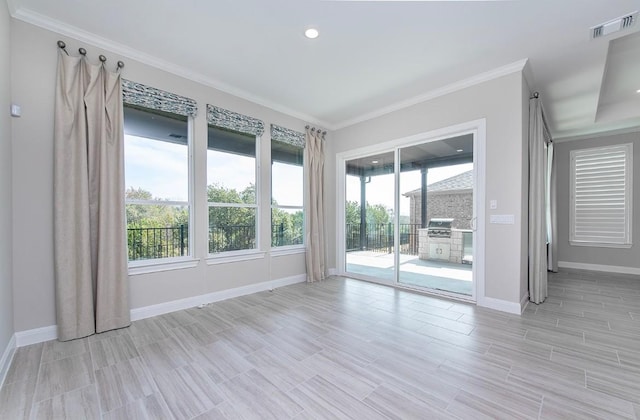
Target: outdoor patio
x=437, y=275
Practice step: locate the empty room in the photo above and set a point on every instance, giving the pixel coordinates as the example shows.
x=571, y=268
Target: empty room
x=319, y=209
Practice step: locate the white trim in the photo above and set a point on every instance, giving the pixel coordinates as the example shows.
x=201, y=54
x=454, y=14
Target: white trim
x=599, y=267
x=39, y=335
x=577, y=238
x=153, y=266
x=500, y=305
x=478, y=129
x=234, y=205
x=441, y=91
x=158, y=202
x=288, y=250
x=34, y=18
x=191, y=302
x=36, y=335
x=599, y=244
x=606, y=133
x=234, y=256
x=7, y=358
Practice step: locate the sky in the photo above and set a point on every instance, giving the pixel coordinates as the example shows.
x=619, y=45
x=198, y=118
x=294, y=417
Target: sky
x=162, y=169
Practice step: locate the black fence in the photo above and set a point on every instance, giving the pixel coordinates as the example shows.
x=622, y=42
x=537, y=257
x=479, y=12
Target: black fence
x=378, y=237
x=231, y=238
x=282, y=236
x=151, y=243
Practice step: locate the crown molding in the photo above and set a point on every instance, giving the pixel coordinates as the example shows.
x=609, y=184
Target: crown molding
x=12, y=6
x=598, y=134
x=444, y=90
x=45, y=22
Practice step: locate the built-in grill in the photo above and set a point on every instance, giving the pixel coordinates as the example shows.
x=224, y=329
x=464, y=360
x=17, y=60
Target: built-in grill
x=439, y=228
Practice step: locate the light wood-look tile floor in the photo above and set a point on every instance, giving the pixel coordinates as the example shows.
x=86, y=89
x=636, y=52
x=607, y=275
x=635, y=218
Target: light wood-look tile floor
x=349, y=349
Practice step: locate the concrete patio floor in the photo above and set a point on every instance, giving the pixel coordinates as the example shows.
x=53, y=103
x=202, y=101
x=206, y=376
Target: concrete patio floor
x=437, y=275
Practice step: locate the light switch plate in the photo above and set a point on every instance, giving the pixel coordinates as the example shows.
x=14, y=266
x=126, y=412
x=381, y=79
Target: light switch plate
x=493, y=204
x=502, y=219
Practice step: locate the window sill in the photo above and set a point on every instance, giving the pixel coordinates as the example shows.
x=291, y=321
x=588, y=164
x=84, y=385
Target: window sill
x=235, y=256
x=287, y=250
x=600, y=245
x=152, y=266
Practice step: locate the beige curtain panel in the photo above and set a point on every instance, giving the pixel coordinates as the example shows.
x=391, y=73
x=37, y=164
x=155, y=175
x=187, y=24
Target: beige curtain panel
x=315, y=232
x=537, y=204
x=92, y=292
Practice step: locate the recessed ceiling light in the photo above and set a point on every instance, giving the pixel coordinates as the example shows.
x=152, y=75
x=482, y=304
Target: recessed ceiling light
x=374, y=161
x=638, y=91
x=460, y=150
x=311, y=33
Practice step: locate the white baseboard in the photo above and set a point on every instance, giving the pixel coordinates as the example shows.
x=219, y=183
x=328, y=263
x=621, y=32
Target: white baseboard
x=36, y=335
x=180, y=304
x=7, y=357
x=39, y=335
x=599, y=267
x=500, y=305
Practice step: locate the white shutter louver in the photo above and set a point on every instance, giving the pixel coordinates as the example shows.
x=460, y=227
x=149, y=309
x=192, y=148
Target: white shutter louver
x=601, y=196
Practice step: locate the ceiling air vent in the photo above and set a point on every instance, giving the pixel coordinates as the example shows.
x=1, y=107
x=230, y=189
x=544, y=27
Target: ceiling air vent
x=615, y=25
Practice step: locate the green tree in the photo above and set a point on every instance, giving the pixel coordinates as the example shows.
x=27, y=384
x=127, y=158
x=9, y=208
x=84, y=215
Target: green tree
x=376, y=213
x=231, y=228
x=155, y=231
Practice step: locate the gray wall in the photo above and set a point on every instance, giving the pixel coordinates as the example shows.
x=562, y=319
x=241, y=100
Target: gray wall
x=6, y=293
x=501, y=102
x=34, y=56
x=627, y=257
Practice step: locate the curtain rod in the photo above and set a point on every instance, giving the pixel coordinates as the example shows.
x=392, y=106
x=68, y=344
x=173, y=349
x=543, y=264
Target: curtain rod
x=83, y=52
x=314, y=129
x=535, y=95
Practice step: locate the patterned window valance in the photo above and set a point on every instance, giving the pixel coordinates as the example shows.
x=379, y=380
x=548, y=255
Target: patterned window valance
x=286, y=135
x=146, y=96
x=224, y=118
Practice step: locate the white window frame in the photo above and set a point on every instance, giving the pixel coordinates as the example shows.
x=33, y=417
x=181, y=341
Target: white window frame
x=151, y=265
x=576, y=239
x=230, y=256
x=289, y=249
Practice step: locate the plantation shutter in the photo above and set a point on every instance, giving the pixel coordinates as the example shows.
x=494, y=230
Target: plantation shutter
x=601, y=196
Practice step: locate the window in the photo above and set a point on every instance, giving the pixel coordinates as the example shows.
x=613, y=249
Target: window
x=601, y=196
x=231, y=190
x=287, y=194
x=157, y=183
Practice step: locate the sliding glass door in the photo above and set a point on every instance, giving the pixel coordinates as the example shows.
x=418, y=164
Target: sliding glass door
x=369, y=227
x=410, y=216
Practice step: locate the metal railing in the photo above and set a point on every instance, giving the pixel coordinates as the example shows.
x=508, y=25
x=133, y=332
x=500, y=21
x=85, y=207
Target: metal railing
x=151, y=243
x=231, y=238
x=378, y=237
x=173, y=241
x=281, y=236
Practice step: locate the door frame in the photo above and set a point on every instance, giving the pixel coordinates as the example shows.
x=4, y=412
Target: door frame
x=478, y=129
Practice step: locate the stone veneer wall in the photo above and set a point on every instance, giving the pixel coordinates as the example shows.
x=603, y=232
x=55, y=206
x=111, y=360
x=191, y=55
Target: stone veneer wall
x=455, y=243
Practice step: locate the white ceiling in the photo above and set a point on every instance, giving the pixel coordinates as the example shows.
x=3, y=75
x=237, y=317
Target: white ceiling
x=372, y=56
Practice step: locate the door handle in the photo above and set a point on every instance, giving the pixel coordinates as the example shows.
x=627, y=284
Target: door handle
x=474, y=221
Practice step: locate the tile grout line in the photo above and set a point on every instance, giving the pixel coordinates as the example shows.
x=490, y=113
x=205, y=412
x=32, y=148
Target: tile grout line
x=35, y=386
